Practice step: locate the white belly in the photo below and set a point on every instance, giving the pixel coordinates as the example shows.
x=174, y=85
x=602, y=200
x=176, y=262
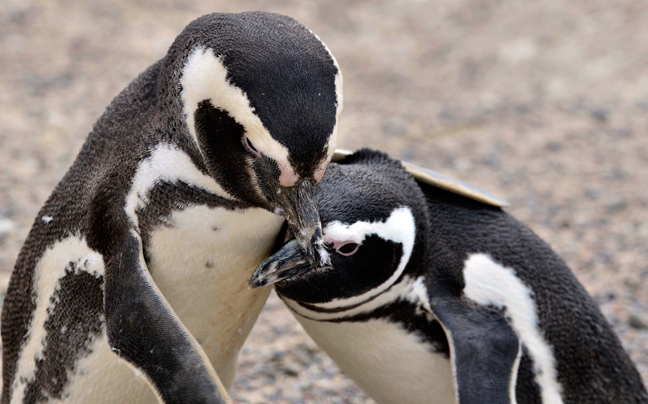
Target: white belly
x=101, y=378
x=202, y=263
x=389, y=364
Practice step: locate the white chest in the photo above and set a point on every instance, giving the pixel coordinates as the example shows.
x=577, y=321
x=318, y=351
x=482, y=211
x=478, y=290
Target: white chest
x=389, y=364
x=202, y=262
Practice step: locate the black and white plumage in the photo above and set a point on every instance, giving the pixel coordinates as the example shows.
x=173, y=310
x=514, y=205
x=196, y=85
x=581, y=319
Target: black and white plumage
x=434, y=297
x=132, y=284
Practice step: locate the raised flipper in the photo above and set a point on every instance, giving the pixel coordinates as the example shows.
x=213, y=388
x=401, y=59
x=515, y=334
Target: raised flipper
x=440, y=181
x=484, y=351
x=144, y=330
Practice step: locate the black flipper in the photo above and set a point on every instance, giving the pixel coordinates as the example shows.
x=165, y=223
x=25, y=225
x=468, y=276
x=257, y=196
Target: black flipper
x=484, y=351
x=144, y=330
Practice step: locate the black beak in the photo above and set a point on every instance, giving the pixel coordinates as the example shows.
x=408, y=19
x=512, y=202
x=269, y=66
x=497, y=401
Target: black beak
x=289, y=261
x=298, y=205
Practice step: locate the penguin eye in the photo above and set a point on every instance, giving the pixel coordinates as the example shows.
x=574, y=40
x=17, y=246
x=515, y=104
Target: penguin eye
x=347, y=249
x=250, y=147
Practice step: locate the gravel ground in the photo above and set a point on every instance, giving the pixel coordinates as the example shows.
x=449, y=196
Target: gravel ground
x=542, y=103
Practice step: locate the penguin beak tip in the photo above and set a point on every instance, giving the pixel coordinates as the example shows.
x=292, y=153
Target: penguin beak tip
x=288, y=262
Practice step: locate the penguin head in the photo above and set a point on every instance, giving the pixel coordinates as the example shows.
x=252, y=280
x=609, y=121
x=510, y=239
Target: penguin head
x=375, y=222
x=260, y=98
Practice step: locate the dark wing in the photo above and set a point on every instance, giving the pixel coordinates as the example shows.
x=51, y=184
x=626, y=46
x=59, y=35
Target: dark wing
x=484, y=351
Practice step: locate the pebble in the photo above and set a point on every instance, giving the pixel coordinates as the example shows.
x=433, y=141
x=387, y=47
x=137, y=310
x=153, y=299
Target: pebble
x=638, y=320
x=6, y=226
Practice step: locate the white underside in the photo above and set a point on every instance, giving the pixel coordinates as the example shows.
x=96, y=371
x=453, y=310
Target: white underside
x=203, y=274
x=102, y=377
x=388, y=363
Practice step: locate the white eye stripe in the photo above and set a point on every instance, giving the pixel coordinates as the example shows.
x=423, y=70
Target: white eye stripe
x=204, y=77
x=393, y=293
x=399, y=227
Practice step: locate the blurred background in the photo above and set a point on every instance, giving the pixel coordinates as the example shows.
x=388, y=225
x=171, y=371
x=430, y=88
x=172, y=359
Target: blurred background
x=542, y=103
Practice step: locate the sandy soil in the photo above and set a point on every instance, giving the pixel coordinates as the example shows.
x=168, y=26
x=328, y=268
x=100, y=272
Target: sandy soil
x=542, y=103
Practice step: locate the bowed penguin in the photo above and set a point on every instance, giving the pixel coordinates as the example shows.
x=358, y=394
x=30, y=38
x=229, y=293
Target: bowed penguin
x=132, y=283
x=432, y=297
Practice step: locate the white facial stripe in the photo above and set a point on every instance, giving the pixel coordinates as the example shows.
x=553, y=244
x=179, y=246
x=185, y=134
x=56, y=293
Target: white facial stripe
x=399, y=228
x=169, y=164
x=338, y=113
x=490, y=283
x=204, y=77
x=339, y=84
x=51, y=268
x=398, y=291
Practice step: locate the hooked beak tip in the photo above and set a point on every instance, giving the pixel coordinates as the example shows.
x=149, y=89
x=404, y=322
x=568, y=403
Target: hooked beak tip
x=258, y=278
x=286, y=263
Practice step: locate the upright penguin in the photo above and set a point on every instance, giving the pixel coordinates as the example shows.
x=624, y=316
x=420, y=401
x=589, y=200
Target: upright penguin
x=434, y=297
x=142, y=253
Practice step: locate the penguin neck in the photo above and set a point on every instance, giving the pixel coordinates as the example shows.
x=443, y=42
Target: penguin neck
x=443, y=258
